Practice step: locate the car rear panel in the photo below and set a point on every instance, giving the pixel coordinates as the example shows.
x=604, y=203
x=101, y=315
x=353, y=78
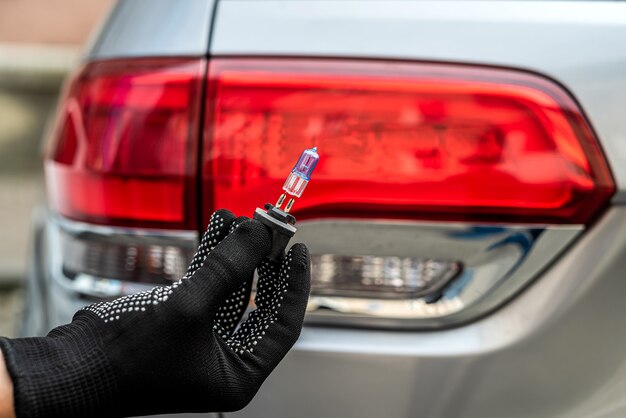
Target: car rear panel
x=155, y=28
x=556, y=349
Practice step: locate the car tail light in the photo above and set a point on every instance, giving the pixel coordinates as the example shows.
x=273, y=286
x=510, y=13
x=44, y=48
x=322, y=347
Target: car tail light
x=124, y=151
x=400, y=144
x=438, y=185
x=401, y=140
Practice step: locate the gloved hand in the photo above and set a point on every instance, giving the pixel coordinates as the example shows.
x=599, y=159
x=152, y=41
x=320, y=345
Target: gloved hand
x=175, y=348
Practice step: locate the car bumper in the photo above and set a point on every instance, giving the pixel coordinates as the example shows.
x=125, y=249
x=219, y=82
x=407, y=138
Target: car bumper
x=558, y=349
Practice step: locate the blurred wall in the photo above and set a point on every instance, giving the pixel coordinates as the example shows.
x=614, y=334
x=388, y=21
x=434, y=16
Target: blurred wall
x=49, y=21
x=40, y=41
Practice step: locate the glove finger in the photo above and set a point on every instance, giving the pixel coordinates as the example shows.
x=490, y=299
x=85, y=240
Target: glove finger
x=219, y=227
x=233, y=261
x=282, y=296
x=238, y=221
x=231, y=311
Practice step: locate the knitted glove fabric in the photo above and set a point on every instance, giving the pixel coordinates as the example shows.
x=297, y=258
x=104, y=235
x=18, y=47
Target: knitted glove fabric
x=171, y=349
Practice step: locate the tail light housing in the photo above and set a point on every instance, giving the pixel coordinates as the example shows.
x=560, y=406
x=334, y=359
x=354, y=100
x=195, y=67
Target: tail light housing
x=125, y=147
x=401, y=140
x=405, y=148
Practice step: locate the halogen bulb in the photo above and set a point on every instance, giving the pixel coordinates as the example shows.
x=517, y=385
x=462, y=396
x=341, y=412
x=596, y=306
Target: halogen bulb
x=301, y=173
x=299, y=177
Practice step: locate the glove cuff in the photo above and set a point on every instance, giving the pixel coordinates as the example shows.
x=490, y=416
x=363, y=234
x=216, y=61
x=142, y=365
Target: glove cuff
x=60, y=376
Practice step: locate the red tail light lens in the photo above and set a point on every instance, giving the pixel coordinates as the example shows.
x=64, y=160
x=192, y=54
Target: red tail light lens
x=401, y=140
x=125, y=148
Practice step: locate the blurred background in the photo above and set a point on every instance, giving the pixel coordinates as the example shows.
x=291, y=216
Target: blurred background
x=40, y=40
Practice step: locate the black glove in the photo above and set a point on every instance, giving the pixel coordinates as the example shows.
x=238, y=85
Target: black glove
x=175, y=348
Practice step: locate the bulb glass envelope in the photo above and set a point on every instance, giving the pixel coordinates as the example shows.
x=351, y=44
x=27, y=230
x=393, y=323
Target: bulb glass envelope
x=301, y=174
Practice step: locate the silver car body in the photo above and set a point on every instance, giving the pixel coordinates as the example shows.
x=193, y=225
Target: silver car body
x=557, y=349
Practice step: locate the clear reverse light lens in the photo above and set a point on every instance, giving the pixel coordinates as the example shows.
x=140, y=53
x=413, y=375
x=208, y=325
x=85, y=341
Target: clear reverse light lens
x=140, y=261
x=380, y=277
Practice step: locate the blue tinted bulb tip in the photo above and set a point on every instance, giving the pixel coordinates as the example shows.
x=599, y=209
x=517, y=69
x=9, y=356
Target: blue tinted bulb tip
x=306, y=164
